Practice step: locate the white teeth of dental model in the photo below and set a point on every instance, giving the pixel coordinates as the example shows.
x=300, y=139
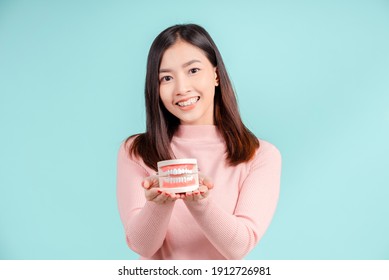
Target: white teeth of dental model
x=178, y=171
x=179, y=175
x=188, y=102
x=173, y=180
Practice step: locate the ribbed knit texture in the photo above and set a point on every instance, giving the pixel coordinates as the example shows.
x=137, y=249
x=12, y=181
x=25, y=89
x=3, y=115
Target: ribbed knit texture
x=225, y=225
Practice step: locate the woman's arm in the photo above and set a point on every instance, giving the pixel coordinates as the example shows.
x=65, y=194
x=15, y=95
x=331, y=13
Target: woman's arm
x=235, y=235
x=145, y=222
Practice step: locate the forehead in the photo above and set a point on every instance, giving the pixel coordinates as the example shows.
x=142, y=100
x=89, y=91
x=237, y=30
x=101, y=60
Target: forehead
x=180, y=53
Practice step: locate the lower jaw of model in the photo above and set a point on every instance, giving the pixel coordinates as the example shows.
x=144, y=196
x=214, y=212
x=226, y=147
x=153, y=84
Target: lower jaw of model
x=178, y=176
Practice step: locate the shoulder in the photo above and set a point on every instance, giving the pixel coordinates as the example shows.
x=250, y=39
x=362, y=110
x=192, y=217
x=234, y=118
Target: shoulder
x=127, y=156
x=266, y=147
x=128, y=143
x=126, y=148
x=267, y=152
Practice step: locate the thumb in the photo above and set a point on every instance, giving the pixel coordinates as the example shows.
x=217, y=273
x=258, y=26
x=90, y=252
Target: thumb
x=149, y=181
x=206, y=182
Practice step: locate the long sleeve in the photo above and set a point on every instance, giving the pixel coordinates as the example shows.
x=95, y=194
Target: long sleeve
x=234, y=235
x=145, y=223
x=225, y=225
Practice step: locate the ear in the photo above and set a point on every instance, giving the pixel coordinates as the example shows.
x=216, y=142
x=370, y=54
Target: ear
x=216, y=77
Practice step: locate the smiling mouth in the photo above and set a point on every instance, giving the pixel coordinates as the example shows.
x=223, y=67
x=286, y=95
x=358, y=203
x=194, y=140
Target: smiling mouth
x=188, y=102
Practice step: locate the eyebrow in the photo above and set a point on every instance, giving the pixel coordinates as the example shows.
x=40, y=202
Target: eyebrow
x=186, y=64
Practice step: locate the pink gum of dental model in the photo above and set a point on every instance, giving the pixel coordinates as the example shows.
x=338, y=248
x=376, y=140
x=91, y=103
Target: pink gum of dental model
x=178, y=175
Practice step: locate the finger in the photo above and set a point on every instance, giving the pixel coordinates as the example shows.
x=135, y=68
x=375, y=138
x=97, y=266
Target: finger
x=204, y=191
x=188, y=196
x=171, y=197
x=160, y=198
x=150, y=182
x=204, y=180
x=163, y=197
x=196, y=195
x=152, y=194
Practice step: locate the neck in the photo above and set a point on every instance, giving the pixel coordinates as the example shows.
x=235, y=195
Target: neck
x=209, y=133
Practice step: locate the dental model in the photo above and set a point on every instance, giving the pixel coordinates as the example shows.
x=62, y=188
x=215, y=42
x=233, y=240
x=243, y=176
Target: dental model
x=178, y=175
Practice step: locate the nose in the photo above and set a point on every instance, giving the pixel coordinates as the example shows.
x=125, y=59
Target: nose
x=182, y=85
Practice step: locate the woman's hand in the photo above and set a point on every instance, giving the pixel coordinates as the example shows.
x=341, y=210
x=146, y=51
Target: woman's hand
x=155, y=194
x=202, y=192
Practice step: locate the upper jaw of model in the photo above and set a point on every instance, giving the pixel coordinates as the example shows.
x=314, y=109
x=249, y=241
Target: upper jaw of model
x=177, y=170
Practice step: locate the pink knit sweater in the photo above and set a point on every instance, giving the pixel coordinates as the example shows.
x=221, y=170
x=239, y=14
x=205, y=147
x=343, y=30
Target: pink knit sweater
x=225, y=225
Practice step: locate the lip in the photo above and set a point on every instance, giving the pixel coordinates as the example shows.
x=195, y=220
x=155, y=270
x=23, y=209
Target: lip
x=186, y=99
x=189, y=107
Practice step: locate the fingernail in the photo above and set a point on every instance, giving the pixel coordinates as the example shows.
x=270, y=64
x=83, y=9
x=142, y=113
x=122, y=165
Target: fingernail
x=202, y=192
x=159, y=191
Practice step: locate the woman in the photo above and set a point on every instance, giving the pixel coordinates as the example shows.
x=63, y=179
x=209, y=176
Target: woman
x=192, y=112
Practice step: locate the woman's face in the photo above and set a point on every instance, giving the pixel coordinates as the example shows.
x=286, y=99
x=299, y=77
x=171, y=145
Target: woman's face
x=187, y=81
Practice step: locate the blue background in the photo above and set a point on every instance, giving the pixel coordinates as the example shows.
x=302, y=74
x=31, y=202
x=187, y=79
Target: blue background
x=312, y=77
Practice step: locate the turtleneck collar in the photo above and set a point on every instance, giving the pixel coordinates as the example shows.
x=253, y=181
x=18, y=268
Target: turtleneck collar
x=199, y=133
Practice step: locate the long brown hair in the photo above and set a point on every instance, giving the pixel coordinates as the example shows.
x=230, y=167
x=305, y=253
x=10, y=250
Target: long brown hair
x=154, y=145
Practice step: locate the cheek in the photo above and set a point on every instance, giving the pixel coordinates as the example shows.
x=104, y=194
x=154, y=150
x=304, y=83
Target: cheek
x=208, y=89
x=165, y=96
x=207, y=83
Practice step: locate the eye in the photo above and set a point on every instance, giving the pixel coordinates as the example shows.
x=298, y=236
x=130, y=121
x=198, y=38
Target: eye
x=166, y=79
x=194, y=70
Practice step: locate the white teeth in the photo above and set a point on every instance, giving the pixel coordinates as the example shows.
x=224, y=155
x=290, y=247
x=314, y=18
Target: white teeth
x=178, y=171
x=191, y=101
x=173, y=180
